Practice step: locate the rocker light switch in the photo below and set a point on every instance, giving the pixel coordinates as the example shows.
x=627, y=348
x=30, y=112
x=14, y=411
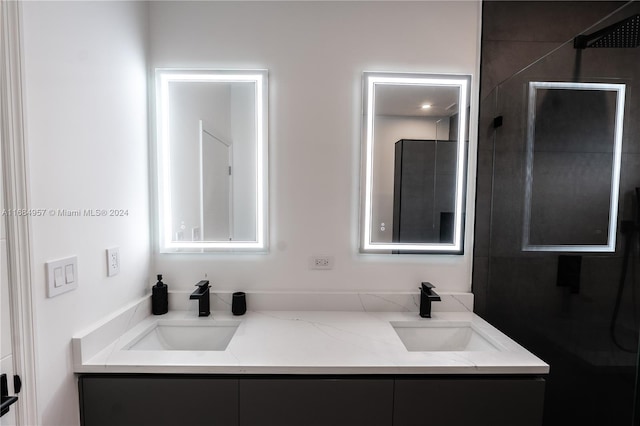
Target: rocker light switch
x=57, y=277
x=62, y=275
x=69, y=273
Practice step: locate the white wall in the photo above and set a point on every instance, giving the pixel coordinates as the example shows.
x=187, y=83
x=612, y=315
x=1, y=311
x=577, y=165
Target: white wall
x=86, y=117
x=315, y=53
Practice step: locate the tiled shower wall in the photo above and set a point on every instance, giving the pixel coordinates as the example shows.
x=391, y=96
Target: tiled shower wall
x=592, y=379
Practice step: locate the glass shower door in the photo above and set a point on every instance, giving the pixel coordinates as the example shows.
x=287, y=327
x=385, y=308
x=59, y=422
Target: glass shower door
x=562, y=158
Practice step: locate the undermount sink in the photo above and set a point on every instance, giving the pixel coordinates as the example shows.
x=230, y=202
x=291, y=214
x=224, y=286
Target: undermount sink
x=427, y=336
x=185, y=335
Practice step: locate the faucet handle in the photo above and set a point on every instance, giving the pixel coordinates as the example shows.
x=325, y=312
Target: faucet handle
x=204, y=284
x=427, y=291
x=426, y=286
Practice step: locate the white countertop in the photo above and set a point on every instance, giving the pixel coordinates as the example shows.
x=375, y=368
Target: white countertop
x=302, y=342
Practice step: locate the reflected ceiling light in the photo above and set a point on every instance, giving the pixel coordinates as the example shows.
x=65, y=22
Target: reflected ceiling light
x=426, y=106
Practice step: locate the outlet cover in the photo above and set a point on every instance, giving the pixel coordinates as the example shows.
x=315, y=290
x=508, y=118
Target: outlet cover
x=321, y=262
x=113, y=261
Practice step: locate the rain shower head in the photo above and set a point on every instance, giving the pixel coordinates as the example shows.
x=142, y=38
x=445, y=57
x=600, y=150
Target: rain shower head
x=625, y=34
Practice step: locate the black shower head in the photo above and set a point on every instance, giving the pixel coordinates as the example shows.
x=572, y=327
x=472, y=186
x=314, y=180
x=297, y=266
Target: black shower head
x=623, y=34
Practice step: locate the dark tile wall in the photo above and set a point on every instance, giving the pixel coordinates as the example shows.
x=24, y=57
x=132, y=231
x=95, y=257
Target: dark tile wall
x=592, y=379
x=517, y=33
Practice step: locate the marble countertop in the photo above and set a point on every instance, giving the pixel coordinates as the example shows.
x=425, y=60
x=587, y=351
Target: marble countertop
x=298, y=342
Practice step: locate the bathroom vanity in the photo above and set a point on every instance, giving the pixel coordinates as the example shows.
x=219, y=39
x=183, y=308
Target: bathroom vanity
x=165, y=399
x=305, y=368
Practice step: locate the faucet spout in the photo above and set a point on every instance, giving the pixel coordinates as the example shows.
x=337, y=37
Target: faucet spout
x=427, y=295
x=201, y=294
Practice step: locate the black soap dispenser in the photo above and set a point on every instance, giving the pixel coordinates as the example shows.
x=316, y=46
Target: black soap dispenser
x=159, y=298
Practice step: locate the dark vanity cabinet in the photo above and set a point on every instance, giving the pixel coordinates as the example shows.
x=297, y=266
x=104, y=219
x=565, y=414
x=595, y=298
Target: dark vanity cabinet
x=316, y=401
x=158, y=400
x=447, y=401
x=242, y=400
x=155, y=400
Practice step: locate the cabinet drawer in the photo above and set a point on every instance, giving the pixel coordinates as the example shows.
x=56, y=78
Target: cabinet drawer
x=464, y=402
x=158, y=400
x=316, y=401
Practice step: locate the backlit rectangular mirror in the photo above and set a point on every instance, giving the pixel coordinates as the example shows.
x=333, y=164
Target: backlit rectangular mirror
x=574, y=146
x=211, y=150
x=414, y=162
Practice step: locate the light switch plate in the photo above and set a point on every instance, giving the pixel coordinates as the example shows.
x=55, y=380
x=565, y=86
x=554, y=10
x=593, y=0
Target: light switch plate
x=65, y=282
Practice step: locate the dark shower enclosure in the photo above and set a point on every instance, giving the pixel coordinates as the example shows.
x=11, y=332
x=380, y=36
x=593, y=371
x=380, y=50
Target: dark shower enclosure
x=556, y=254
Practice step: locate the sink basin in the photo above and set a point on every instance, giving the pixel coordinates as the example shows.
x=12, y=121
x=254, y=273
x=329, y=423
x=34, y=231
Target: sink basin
x=185, y=335
x=422, y=336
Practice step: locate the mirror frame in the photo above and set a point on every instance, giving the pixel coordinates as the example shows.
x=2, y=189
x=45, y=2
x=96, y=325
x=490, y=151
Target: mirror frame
x=369, y=82
x=163, y=77
x=615, y=173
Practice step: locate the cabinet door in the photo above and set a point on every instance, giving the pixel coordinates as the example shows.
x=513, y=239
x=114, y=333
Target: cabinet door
x=464, y=402
x=316, y=402
x=158, y=401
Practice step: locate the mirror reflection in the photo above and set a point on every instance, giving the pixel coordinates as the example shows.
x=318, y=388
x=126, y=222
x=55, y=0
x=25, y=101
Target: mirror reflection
x=212, y=159
x=414, y=146
x=574, y=146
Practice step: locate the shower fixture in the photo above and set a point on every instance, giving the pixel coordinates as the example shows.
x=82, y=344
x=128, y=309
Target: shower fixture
x=630, y=230
x=623, y=34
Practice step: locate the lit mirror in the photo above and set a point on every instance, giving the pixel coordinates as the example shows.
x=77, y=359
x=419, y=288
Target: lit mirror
x=414, y=155
x=212, y=159
x=574, y=145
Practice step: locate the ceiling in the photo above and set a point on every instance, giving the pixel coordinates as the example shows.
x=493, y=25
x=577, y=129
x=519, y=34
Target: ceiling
x=407, y=100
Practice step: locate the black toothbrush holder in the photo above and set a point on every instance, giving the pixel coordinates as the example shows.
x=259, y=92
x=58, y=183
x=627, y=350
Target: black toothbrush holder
x=239, y=303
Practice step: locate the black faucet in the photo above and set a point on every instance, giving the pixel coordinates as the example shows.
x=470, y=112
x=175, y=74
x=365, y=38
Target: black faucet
x=427, y=295
x=202, y=294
